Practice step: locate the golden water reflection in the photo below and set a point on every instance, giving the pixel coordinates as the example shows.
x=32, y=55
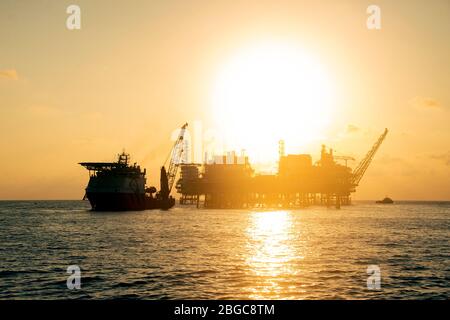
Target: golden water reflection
x=271, y=255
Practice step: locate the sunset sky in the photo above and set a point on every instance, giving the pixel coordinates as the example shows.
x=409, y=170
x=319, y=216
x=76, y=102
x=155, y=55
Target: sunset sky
x=138, y=70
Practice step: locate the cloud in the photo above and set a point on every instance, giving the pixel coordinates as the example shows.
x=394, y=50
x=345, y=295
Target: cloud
x=352, y=128
x=442, y=157
x=43, y=110
x=421, y=102
x=400, y=165
x=9, y=74
x=390, y=160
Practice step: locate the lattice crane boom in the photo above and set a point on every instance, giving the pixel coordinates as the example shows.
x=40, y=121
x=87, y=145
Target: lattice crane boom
x=175, y=158
x=364, y=164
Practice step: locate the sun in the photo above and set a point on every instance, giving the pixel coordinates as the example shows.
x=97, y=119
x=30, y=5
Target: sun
x=269, y=92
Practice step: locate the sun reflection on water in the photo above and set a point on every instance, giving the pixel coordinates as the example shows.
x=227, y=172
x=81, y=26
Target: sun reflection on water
x=270, y=253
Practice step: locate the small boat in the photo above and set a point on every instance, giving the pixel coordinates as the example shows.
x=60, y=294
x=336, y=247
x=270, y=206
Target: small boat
x=386, y=200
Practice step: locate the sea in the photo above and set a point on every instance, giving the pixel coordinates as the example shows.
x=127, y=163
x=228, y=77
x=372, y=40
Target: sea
x=62, y=250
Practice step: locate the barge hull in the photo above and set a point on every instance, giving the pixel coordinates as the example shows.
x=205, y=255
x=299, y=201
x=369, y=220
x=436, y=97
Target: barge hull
x=112, y=201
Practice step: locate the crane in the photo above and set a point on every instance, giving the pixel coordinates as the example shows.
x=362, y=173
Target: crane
x=364, y=164
x=168, y=177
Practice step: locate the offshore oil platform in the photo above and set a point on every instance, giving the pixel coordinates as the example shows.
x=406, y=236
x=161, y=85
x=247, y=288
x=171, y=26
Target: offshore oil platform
x=230, y=181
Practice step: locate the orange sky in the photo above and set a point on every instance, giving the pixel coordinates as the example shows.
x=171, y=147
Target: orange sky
x=135, y=72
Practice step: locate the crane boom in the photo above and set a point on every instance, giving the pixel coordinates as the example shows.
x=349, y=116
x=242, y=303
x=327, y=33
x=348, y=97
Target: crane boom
x=364, y=164
x=175, y=159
